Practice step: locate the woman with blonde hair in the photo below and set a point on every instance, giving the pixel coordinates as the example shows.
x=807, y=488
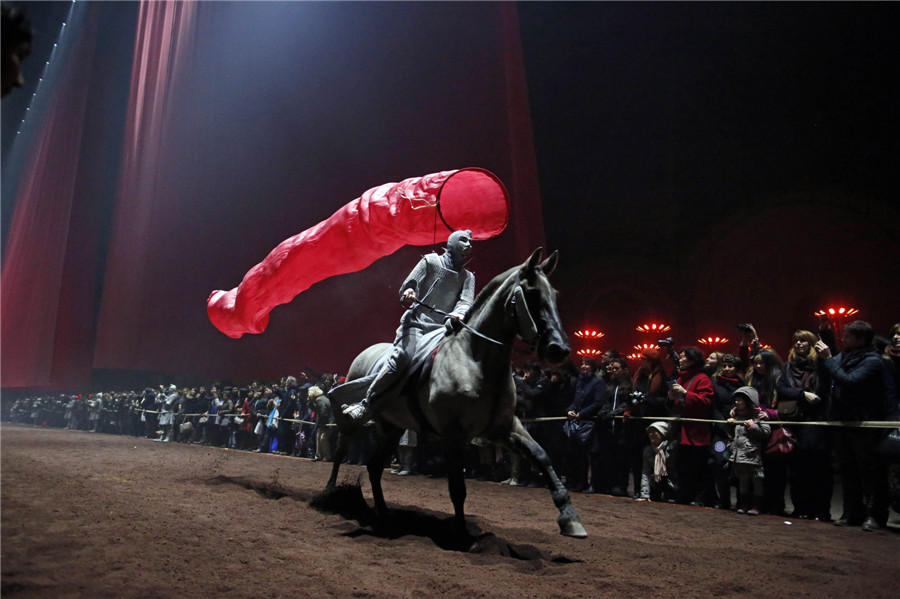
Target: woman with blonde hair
x=803, y=397
x=325, y=431
x=765, y=372
x=713, y=363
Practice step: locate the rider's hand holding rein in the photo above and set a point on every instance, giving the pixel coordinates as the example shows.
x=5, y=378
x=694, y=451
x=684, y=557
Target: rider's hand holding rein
x=451, y=323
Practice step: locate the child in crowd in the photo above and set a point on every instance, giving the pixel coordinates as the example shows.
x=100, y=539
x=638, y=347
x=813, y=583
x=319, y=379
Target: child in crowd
x=658, y=471
x=749, y=435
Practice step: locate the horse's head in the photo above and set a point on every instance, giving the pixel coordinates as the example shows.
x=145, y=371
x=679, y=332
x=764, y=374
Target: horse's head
x=532, y=303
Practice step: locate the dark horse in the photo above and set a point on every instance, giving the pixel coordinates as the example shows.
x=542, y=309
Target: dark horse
x=470, y=391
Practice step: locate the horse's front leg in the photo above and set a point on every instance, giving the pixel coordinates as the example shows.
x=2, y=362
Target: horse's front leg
x=388, y=438
x=520, y=440
x=456, y=479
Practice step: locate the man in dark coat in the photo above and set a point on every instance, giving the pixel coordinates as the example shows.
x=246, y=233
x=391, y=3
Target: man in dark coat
x=290, y=403
x=590, y=397
x=859, y=387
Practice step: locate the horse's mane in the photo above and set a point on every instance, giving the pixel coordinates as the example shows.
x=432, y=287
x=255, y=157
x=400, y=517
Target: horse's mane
x=489, y=290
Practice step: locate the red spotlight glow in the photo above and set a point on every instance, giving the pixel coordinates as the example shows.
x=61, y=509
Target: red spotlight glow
x=653, y=327
x=645, y=346
x=588, y=334
x=588, y=353
x=712, y=340
x=836, y=312
x=634, y=356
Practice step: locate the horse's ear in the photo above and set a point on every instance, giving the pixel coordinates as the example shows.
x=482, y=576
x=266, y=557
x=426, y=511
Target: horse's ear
x=549, y=265
x=532, y=263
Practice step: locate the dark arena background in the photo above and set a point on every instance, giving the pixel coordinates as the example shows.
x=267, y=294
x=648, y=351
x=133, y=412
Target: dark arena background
x=695, y=164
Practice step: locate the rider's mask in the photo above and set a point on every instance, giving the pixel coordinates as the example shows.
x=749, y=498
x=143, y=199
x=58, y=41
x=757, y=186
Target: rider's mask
x=459, y=246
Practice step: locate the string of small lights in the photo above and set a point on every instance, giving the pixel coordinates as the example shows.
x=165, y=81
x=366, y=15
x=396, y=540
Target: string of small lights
x=40, y=83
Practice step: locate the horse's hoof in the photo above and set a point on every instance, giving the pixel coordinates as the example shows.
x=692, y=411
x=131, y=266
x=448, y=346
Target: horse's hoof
x=572, y=528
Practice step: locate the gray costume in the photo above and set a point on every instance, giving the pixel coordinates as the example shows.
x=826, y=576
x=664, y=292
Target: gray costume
x=441, y=282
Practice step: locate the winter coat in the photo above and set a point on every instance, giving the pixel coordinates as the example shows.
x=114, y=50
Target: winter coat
x=799, y=376
x=697, y=404
x=723, y=401
x=615, y=404
x=860, y=384
x=324, y=415
x=670, y=449
x=590, y=396
x=749, y=442
x=653, y=388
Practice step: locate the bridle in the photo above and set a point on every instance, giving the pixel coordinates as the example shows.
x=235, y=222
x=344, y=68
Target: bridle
x=517, y=308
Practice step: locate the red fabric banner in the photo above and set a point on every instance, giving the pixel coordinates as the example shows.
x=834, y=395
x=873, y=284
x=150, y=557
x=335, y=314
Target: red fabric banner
x=416, y=211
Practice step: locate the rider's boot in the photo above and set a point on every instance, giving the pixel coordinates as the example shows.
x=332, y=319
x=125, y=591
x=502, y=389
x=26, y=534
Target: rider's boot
x=358, y=412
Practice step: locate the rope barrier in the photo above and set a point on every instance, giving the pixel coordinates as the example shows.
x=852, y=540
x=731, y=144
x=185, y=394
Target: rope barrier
x=225, y=415
x=833, y=423
x=888, y=424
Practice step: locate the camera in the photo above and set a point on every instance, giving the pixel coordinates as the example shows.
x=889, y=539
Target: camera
x=745, y=328
x=667, y=342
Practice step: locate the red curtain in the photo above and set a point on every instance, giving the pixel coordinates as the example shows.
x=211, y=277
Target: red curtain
x=42, y=250
x=164, y=36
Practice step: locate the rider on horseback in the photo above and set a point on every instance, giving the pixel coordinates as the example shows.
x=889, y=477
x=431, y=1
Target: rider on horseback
x=441, y=282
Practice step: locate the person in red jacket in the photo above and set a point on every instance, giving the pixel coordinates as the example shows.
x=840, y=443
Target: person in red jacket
x=691, y=396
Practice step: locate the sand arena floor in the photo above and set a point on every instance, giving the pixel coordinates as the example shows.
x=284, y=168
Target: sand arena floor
x=93, y=515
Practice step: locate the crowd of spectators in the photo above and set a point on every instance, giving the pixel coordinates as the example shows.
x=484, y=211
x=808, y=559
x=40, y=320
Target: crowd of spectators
x=730, y=431
x=288, y=417
x=738, y=431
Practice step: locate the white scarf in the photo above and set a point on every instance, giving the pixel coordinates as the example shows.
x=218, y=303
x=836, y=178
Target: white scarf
x=659, y=462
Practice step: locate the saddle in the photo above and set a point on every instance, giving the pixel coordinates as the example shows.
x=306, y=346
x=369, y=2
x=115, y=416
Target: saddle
x=418, y=373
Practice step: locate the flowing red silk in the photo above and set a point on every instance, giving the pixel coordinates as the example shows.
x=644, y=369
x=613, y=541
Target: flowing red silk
x=416, y=211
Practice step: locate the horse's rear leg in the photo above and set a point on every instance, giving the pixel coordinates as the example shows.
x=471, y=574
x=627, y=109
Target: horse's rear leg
x=388, y=438
x=520, y=440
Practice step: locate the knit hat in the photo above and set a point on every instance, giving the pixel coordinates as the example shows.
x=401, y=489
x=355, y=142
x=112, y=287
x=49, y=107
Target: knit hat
x=661, y=427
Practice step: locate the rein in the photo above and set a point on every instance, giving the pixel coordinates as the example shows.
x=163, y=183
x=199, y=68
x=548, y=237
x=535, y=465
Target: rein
x=517, y=308
x=442, y=313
